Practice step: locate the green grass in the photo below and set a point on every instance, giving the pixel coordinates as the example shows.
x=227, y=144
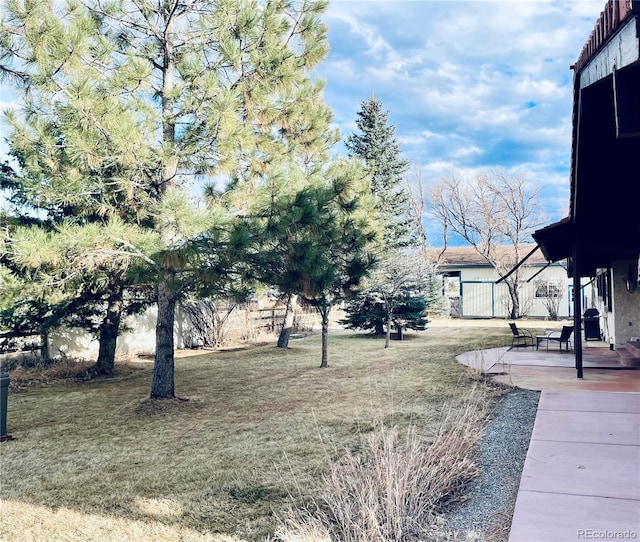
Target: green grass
x=258, y=432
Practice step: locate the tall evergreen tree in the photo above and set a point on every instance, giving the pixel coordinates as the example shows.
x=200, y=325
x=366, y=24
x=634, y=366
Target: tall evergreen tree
x=42, y=246
x=376, y=144
x=139, y=98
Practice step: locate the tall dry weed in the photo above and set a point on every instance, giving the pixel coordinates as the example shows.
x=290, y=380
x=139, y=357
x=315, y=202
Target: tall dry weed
x=396, y=488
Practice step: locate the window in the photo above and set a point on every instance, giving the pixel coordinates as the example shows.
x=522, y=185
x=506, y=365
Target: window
x=548, y=288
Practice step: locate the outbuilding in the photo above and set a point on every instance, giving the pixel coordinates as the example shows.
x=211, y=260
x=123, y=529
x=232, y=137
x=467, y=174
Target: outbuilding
x=473, y=289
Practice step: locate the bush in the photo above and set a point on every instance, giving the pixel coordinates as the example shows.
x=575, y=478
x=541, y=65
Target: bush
x=398, y=488
x=367, y=313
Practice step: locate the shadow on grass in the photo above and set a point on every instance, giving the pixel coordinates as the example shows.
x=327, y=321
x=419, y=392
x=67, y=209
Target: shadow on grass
x=255, y=436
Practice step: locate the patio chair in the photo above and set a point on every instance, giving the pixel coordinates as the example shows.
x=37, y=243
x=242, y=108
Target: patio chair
x=563, y=338
x=521, y=337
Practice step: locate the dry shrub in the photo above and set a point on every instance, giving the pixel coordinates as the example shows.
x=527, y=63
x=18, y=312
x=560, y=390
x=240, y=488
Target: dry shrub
x=47, y=373
x=398, y=487
x=64, y=370
x=303, y=527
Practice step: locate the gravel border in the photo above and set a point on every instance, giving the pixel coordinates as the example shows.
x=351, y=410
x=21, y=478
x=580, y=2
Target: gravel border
x=501, y=455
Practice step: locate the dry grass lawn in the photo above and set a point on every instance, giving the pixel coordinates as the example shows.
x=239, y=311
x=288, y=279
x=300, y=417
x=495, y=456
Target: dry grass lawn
x=96, y=461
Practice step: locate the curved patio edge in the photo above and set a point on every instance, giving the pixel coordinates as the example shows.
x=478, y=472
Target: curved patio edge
x=488, y=361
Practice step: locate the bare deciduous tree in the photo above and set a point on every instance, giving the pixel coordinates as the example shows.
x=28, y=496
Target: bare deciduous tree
x=418, y=206
x=207, y=319
x=495, y=212
x=434, y=291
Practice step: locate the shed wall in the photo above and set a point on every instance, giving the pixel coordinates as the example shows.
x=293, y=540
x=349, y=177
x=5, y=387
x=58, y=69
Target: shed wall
x=481, y=297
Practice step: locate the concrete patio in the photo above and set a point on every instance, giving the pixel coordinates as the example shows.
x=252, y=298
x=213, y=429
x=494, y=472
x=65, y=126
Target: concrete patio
x=581, y=477
x=554, y=370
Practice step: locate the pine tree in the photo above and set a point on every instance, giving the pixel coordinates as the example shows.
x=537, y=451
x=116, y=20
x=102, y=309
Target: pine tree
x=433, y=287
x=136, y=99
x=40, y=249
x=392, y=295
x=318, y=242
x=376, y=144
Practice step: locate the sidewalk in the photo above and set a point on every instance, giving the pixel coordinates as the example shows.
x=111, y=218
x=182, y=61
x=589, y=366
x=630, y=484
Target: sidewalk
x=581, y=477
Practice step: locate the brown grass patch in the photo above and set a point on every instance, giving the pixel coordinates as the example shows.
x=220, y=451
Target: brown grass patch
x=63, y=371
x=44, y=524
x=153, y=407
x=256, y=437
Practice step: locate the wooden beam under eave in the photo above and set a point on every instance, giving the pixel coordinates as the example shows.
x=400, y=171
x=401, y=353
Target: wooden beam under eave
x=621, y=50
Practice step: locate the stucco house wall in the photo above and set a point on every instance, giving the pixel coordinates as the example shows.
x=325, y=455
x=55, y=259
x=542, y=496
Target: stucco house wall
x=622, y=322
x=140, y=338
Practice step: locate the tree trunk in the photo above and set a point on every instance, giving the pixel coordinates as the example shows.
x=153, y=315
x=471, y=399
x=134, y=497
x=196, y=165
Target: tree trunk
x=287, y=324
x=387, y=337
x=109, y=330
x=515, y=300
x=324, y=313
x=45, y=353
x=162, y=386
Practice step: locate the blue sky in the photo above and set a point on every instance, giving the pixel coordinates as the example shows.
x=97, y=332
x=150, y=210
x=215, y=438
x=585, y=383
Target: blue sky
x=470, y=85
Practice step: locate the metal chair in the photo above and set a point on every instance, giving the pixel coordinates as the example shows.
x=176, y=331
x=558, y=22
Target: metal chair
x=521, y=337
x=563, y=338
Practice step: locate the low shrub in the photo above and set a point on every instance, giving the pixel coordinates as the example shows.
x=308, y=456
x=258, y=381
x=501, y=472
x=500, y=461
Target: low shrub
x=398, y=487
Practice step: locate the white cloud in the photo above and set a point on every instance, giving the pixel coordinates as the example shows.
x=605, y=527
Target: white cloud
x=466, y=151
x=470, y=84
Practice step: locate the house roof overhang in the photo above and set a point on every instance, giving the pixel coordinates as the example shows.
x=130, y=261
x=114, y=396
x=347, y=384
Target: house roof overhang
x=556, y=240
x=598, y=249
x=604, y=221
